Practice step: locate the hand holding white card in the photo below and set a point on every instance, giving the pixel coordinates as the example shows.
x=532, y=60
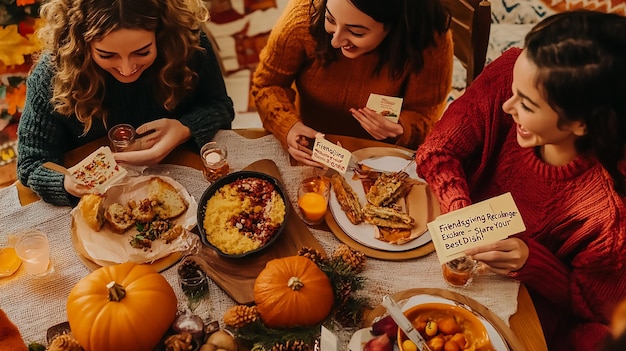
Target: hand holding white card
x=331, y=155
x=388, y=106
x=479, y=224
x=98, y=170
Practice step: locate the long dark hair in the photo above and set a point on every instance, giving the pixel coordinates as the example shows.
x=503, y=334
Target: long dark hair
x=581, y=59
x=413, y=26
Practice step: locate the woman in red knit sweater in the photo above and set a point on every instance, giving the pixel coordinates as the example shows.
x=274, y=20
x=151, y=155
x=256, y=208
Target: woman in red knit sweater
x=548, y=124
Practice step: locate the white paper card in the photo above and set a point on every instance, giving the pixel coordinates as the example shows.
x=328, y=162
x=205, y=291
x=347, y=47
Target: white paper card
x=329, y=341
x=331, y=155
x=388, y=106
x=98, y=171
x=476, y=225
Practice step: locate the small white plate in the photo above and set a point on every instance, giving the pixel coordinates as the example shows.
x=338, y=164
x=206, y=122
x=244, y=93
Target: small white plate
x=364, y=232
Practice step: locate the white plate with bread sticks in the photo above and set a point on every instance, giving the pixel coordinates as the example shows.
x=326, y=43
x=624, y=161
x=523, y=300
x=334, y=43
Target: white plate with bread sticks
x=385, y=210
x=140, y=219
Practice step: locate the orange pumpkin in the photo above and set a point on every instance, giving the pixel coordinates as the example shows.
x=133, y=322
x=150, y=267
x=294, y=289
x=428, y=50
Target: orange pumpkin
x=121, y=307
x=293, y=291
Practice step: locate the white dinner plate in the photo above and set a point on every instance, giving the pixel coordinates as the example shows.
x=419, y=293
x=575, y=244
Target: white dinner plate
x=497, y=341
x=364, y=233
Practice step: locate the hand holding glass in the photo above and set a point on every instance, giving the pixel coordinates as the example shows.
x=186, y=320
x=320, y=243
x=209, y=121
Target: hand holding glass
x=459, y=272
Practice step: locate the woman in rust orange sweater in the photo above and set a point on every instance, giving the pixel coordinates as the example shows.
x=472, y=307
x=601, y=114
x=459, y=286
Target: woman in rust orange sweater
x=335, y=53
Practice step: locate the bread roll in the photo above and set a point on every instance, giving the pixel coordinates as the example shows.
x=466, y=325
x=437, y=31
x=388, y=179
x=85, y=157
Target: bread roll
x=118, y=217
x=143, y=211
x=90, y=206
x=169, y=203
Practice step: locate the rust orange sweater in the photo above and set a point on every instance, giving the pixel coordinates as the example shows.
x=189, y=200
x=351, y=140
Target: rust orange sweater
x=326, y=93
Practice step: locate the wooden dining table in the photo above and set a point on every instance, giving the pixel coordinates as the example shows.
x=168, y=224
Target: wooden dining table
x=524, y=323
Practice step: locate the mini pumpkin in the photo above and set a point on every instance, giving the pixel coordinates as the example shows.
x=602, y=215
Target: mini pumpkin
x=292, y=291
x=121, y=307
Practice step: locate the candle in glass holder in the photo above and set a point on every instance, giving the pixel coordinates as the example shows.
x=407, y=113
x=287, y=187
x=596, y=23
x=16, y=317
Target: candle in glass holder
x=190, y=323
x=214, y=161
x=459, y=272
x=313, y=196
x=122, y=137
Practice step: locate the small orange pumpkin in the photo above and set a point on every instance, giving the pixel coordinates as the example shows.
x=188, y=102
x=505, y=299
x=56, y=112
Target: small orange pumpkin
x=292, y=291
x=121, y=307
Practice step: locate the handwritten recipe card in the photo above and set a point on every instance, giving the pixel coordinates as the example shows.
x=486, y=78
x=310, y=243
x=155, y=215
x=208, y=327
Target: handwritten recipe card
x=476, y=225
x=387, y=106
x=331, y=155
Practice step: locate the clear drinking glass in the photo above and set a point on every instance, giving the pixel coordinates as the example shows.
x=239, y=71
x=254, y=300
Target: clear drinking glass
x=459, y=272
x=122, y=137
x=33, y=249
x=313, y=194
x=214, y=161
x=193, y=280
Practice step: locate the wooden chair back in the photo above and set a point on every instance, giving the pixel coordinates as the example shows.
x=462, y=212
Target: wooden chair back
x=471, y=26
x=205, y=28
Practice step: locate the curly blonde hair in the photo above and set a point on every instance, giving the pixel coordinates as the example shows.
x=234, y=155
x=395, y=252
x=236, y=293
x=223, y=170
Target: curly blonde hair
x=71, y=25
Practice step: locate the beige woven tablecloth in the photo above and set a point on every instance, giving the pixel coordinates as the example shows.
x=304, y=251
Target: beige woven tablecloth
x=37, y=304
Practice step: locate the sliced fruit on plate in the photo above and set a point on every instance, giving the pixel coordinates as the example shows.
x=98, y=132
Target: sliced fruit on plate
x=9, y=262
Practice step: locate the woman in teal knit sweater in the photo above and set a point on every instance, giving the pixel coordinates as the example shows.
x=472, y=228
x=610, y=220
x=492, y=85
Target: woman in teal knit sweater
x=141, y=62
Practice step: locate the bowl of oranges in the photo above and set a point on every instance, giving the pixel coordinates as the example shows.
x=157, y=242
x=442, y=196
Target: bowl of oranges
x=445, y=328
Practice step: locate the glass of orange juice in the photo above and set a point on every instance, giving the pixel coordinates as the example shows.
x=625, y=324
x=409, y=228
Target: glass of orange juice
x=9, y=261
x=313, y=196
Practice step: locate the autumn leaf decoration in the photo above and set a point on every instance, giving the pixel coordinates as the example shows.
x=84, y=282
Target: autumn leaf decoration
x=14, y=46
x=18, y=22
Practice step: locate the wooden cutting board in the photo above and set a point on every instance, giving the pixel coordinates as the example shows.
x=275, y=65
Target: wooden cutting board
x=236, y=276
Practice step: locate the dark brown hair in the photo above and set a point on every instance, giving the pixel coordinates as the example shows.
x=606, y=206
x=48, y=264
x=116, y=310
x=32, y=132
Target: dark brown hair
x=413, y=26
x=581, y=62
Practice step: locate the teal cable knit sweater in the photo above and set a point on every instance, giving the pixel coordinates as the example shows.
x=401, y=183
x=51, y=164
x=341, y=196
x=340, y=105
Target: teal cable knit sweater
x=44, y=135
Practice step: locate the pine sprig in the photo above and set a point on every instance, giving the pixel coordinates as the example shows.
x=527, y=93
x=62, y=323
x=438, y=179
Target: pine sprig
x=340, y=274
x=257, y=333
x=350, y=313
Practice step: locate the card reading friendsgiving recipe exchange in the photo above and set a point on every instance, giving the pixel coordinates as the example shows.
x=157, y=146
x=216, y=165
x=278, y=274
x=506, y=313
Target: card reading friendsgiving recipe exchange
x=98, y=171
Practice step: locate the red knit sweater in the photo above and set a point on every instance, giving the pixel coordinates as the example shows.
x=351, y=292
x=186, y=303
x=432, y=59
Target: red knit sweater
x=575, y=221
x=326, y=93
